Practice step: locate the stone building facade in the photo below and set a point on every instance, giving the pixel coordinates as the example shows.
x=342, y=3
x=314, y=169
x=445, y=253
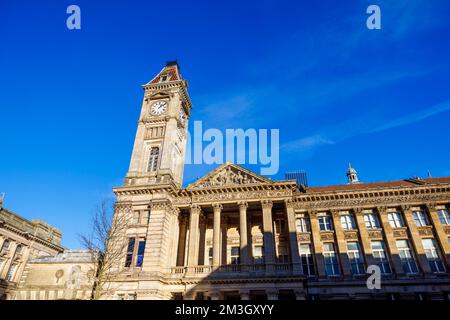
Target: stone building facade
x=20, y=241
x=234, y=234
x=66, y=276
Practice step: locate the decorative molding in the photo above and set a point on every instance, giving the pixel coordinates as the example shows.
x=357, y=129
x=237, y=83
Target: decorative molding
x=217, y=206
x=266, y=204
x=375, y=234
x=425, y=230
x=399, y=233
x=304, y=237
x=351, y=235
x=327, y=235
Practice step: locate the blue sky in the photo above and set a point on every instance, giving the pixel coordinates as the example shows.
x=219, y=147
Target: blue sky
x=337, y=91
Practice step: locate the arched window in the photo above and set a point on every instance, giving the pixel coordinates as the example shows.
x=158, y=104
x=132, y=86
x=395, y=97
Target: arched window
x=153, y=160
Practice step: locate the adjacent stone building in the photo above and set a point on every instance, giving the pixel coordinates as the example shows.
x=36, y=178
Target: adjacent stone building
x=20, y=241
x=65, y=276
x=234, y=234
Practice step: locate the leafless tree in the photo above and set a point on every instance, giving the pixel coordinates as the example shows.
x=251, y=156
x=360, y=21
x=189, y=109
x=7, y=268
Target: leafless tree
x=105, y=241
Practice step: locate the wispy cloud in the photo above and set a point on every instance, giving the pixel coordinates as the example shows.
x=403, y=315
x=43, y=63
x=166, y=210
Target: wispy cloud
x=414, y=117
x=360, y=126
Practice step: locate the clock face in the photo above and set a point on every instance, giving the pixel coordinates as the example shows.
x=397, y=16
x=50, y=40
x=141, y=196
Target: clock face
x=159, y=108
x=182, y=116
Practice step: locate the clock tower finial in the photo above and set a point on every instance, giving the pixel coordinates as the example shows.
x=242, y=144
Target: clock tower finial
x=160, y=143
x=352, y=175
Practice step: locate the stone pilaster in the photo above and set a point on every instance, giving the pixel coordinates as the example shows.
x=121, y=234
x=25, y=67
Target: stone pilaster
x=268, y=238
x=317, y=243
x=216, y=234
x=182, y=241
x=243, y=236
x=193, y=235
x=293, y=242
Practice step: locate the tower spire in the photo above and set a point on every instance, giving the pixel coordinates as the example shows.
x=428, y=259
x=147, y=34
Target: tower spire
x=352, y=175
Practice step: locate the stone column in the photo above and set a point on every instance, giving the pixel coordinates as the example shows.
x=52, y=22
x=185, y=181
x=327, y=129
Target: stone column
x=202, y=239
x=193, y=235
x=317, y=244
x=390, y=241
x=440, y=232
x=364, y=236
x=243, y=236
x=341, y=244
x=214, y=295
x=224, y=241
x=216, y=235
x=293, y=242
x=269, y=245
x=416, y=240
x=182, y=241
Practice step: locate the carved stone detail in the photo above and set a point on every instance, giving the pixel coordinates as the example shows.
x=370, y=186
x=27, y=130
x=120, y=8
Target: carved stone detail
x=425, y=231
x=304, y=237
x=375, y=234
x=399, y=233
x=325, y=236
x=351, y=235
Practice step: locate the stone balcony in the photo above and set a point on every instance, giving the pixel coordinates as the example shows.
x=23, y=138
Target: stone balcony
x=235, y=270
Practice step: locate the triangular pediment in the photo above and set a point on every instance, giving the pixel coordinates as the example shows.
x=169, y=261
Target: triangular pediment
x=228, y=174
x=158, y=95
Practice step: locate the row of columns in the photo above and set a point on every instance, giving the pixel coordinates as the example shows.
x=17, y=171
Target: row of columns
x=244, y=243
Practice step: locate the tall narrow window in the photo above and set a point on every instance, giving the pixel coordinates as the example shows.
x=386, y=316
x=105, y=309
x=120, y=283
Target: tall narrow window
x=5, y=245
x=302, y=224
x=371, y=221
x=307, y=259
x=356, y=261
x=395, y=220
x=11, y=273
x=432, y=254
x=406, y=257
x=210, y=256
x=258, y=254
x=444, y=217
x=140, y=253
x=280, y=226
x=153, y=160
x=130, y=250
x=419, y=218
x=379, y=255
x=331, y=260
x=235, y=255
x=283, y=256
x=325, y=223
x=347, y=222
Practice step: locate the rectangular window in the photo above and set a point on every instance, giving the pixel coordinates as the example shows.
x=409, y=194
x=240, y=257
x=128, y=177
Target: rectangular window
x=136, y=216
x=140, y=253
x=258, y=254
x=355, y=258
x=395, y=220
x=432, y=254
x=210, y=256
x=5, y=245
x=404, y=251
x=1, y=265
x=379, y=255
x=325, y=223
x=444, y=217
x=235, y=255
x=153, y=159
x=419, y=218
x=330, y=259
x=280, y=226
x=302, y=224
x=347, y=222
x=11, y=273
x=307, y=259
x=283, y=256
x=371, y=221
x=130, y=251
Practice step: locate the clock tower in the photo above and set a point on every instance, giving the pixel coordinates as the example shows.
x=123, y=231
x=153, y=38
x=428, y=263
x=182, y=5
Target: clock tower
x=160, y=143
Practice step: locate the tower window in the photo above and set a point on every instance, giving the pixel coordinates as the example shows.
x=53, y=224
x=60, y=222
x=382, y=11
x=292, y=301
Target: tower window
x=153, y=159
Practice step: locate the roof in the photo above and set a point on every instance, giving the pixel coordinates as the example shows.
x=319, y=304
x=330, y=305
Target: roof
x=172, y=70
x=380, y=185
x=77, y=256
